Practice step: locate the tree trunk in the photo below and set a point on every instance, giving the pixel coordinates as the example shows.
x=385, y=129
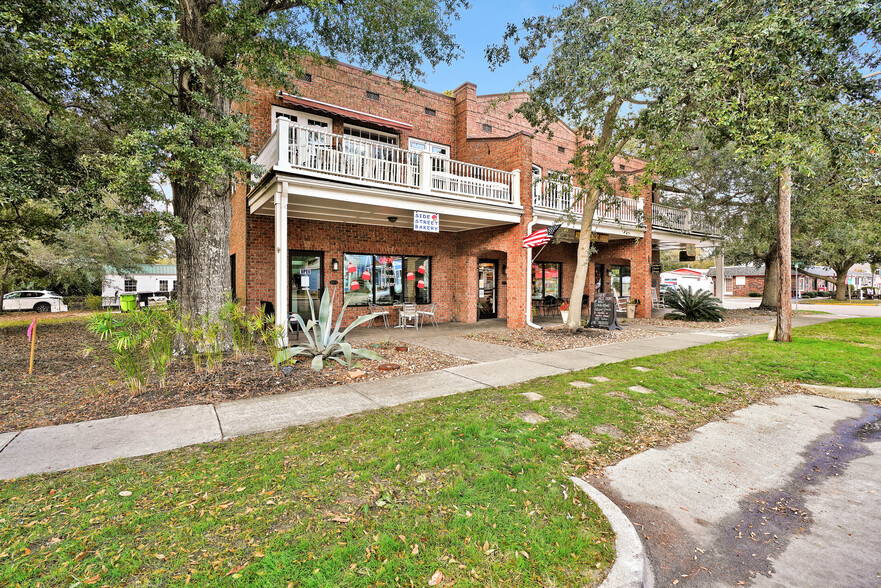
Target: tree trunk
x=203, y=249
x=784, y=255
x=771, y=287
x=582, y=263
x=841, y=282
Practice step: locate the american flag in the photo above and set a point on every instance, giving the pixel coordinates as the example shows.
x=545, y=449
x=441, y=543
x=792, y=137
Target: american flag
x=540, y=237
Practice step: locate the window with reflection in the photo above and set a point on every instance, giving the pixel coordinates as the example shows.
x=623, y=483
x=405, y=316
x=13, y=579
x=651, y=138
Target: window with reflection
x=546, y=279
x=394, y=279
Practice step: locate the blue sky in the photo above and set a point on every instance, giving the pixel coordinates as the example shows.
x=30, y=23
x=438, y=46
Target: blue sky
x=483, y=24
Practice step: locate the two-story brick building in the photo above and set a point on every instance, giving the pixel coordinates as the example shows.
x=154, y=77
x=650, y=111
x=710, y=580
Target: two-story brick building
x=395, y=195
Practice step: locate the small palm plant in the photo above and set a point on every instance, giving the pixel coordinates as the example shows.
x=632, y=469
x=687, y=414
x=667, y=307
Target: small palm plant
x=324, y=340
x=693, y=306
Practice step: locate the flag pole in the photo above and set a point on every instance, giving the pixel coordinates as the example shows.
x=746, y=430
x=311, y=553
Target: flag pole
x=33, y=344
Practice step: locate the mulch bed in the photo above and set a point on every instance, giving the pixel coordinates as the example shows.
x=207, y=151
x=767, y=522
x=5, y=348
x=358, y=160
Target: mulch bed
x=733, y=318
x=70, y=385
x=558, y=338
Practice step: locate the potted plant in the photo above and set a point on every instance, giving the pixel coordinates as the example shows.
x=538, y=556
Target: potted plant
x=631, y=307
x=564, y=311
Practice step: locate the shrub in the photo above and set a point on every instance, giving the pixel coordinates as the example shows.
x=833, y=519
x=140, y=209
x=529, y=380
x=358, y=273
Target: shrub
x=754, y=294
x=323, y=340
x=94, y=303
x=141, y=343
x=204, y=338
x=240, y=328
x=693, y=306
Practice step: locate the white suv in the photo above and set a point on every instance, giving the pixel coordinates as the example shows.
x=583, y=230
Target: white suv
x=34, y=300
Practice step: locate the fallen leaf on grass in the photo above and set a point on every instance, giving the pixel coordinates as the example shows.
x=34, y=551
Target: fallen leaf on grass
x=436, y=578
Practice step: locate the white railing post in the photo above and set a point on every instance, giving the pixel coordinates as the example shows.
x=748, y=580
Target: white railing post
x=283, y=127
x=515, y=187
x=425, y=175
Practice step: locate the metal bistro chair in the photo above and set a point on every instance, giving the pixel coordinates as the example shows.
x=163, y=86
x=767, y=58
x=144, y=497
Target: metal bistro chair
x=383, y=314
x=408, y=313
x=430, y=312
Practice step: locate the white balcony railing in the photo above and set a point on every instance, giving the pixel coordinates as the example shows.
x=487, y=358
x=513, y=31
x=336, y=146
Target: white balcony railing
x=682, y=220
x=315, y=149
x=562, y=198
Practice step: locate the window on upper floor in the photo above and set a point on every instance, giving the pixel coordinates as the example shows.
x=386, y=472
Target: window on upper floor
x=433, y=148
x=163, y=285
x=131, y=285
x=299, y=118
x=370, y=135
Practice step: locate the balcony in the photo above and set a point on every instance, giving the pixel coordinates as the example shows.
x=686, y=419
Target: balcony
x=561, y=199
x=312, y=151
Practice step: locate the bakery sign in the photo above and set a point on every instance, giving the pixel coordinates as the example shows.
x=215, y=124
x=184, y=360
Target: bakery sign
x=428, y=222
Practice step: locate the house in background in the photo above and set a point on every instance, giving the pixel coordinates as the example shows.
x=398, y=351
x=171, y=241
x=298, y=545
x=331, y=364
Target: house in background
x=686, y=277
x=391, y=195
x=148, y=280
x=744, y=280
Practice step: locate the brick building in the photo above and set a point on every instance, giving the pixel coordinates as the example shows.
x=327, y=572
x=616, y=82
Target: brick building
x=746, y=280
x=393, y=194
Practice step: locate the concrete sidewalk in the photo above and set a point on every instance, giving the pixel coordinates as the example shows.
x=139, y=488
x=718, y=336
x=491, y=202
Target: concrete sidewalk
x=61, y=447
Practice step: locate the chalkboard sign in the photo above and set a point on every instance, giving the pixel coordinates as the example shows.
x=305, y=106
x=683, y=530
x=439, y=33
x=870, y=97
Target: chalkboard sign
x=603, y=314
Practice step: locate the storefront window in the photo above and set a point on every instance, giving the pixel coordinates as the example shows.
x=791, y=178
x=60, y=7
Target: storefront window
x=546, y=279
x=620, y=278
x=358, y=289
x=389, y=283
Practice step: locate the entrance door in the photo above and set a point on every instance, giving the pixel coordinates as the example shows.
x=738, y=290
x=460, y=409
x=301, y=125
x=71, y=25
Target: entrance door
x=306, y=282
x=487, y=272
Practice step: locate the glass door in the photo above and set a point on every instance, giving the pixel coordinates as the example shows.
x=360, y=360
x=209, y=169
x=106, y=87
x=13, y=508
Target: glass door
x=306, y=282
x=487, y=271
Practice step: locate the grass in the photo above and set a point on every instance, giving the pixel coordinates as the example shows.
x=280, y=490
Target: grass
x=387, y=498
x=9, y=319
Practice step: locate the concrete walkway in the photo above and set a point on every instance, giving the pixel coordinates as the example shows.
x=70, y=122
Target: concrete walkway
x=780, y=494
x=61, y=447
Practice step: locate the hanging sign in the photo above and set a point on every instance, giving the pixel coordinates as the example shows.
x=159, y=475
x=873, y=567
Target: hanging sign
x=428, y=222
x=656, y=268
x=690, y=249
x=305, y=271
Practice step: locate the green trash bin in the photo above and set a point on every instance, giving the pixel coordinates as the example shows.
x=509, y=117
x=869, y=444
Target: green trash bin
x=128, y=302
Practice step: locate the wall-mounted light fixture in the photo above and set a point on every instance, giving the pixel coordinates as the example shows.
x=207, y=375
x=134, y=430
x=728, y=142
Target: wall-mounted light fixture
x=335, y=265
x=393, y=219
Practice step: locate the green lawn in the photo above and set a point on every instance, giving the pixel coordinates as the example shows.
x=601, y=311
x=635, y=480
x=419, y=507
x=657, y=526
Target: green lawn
x=388, y=498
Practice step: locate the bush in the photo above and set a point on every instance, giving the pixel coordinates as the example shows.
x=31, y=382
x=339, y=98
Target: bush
x=754, y=294
x=693, y=306
x=142, y=342
x=94, y=303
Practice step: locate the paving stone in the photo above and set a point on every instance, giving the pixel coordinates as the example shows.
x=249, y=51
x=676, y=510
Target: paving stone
x=719, y=389
x=577, y=441
x=641, y=390
x=533, y=418
x=565, y=412
x=609, y=430
x=640, y=368
x=663, y=410
x=601, y=379
x=580, y=384
x=532, y=396
x=617, y=394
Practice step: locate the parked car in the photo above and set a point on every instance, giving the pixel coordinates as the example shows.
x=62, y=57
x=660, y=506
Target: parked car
x=34, y=300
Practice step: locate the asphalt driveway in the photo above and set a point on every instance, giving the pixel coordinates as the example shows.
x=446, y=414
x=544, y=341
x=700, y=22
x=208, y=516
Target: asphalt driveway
x=780, y=494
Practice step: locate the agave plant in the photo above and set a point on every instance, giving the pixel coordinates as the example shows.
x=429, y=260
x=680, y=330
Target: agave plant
x=693, y=306
x=324, y=340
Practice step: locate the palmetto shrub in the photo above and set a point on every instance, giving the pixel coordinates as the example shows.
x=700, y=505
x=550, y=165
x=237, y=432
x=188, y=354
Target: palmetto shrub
x=691, y=305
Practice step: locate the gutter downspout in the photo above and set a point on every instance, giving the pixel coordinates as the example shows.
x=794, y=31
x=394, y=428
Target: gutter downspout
x=529, y=279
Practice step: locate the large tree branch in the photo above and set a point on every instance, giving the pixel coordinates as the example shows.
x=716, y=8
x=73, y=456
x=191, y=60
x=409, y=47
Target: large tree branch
x=270, y=6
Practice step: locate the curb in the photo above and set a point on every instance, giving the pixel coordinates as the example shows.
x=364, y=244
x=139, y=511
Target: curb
x=631, y=568
x=844, y=393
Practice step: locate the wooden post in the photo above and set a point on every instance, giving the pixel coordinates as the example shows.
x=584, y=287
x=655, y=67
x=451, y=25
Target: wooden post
x=784, y=257
x=33, y=344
